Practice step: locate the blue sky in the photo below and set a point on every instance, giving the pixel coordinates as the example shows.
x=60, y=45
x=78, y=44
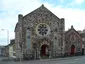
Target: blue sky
x=72, y=10
x=80, y=4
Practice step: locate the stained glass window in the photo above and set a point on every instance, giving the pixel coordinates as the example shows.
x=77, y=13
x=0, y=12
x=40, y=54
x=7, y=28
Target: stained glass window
x=28, y=38
x=42, y=29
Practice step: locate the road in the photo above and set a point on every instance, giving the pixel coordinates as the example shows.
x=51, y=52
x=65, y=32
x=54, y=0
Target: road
x=68, y=60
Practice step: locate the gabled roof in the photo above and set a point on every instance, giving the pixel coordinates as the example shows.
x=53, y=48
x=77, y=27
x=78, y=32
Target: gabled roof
x=42, y=8
x=72, y=28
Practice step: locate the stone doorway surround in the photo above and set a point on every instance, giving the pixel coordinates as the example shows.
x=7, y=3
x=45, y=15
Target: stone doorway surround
x=72, y=50
x=44, y=49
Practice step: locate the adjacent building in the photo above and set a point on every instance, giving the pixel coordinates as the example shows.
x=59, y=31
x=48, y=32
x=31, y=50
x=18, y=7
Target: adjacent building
x=73, y=42
x=12, y=49
x=82, y=33
x=7, y=50
x=2, y=51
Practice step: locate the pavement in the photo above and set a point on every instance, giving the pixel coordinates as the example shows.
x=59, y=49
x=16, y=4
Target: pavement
x=67, y=60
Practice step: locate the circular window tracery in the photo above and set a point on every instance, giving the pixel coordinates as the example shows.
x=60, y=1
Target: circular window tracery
x=42, y=29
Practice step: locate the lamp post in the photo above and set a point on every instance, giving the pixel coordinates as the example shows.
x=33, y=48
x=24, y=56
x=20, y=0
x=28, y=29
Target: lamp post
x=7, y=35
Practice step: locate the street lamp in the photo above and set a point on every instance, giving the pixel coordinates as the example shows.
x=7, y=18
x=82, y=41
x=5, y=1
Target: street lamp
x=7, y=35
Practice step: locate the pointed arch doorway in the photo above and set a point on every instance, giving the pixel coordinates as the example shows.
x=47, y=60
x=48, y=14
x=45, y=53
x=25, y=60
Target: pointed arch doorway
x=72, y=50
x=44, y=51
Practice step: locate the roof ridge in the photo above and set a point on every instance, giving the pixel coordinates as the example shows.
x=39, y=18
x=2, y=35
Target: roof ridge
x=41, y=7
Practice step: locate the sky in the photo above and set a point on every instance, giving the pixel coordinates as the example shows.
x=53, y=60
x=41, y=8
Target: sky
x=72, y=10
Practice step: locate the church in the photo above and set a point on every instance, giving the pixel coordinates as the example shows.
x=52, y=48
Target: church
x=40, y=34
x=73, y=42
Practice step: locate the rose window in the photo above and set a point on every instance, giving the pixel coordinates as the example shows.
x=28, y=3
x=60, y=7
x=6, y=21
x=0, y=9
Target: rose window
x=42, y=29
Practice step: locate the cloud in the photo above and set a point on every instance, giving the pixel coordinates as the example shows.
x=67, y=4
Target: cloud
x=79, y=1
x=76, y=2
x=20, y=6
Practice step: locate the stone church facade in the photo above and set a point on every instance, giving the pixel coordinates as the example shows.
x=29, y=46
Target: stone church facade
x=73, y=43
x=39, y=34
